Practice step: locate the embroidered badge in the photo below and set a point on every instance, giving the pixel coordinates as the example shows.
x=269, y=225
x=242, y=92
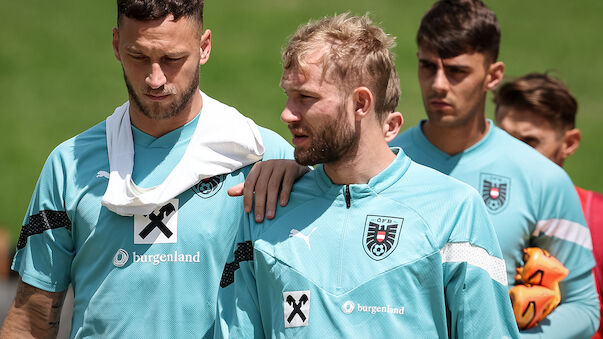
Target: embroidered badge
x=381, y=235
x=208, y=187
x=159, y=227
x=296, y=306
x=495, y=191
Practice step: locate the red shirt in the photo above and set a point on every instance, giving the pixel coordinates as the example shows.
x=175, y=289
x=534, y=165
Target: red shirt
x=592, y=207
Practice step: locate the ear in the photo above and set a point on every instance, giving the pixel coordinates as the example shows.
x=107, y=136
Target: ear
x=116, y=44
x=571, y=141
x=391, y=125
x=205, y=49
x=496, y=71
x=363, y=102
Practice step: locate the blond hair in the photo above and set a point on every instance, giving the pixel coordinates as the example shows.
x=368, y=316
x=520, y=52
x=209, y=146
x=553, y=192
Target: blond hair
x=357, y=53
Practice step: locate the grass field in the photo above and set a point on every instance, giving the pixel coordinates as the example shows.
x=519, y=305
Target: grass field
x=59, y=75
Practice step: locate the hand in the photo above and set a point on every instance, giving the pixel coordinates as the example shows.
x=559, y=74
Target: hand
x=265, y=179
x=540, y=293
x=531, y=304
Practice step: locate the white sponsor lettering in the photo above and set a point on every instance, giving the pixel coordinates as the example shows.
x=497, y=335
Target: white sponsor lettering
x=349, y=307
x=156, y=259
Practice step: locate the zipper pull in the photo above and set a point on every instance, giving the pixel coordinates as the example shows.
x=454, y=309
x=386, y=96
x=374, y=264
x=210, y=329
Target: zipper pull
x=348, y=197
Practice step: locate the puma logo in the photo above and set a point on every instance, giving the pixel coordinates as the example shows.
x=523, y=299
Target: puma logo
x=296, y=233
x=102, y=174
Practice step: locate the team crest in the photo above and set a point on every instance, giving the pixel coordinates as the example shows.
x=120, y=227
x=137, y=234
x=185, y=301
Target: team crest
x=495, y=191
x=208, y=187
x=381, y=235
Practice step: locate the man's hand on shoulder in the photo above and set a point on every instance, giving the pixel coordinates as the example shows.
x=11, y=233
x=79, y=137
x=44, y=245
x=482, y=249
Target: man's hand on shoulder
x=264, y=182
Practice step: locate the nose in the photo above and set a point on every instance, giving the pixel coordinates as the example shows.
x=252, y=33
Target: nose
x=156, y=78
x=440, y=81
x=288, y=116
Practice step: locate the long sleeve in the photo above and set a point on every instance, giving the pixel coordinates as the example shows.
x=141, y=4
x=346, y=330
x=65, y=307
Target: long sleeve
x=475, y=282
x=238, y=313
x=562, y=232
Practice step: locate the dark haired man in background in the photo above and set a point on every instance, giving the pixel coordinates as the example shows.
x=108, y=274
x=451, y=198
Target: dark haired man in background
x=532, y=202
x=133, y=212
x=541, y=111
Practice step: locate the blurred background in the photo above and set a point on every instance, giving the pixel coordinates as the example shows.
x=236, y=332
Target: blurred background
x=58, y=75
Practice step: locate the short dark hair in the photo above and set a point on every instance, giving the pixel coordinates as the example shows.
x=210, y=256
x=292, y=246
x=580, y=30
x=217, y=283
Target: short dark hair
x=541, y=94
x=145, y=10
x=455, y=27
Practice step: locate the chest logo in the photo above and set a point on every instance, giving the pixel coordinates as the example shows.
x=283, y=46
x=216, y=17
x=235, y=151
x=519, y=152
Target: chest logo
x=299, y=234
x=296, y=306
x=495, y=191
x=381, y=235
x=208, y=187
x=159, y=227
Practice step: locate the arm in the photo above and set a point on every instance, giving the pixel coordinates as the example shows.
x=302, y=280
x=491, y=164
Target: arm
x=562, y=232
x=264, y=181
x=475, y=280
x=238, y=311
x=35, y=313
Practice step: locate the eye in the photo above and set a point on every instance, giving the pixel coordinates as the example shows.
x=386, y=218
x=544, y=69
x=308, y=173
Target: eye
x=137, y=56
x=168, y=59
x=427, y=66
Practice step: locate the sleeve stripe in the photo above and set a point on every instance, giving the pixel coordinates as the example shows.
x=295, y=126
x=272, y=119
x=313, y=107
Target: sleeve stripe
x=475, y=256
x=43, y=221
x=566, y=230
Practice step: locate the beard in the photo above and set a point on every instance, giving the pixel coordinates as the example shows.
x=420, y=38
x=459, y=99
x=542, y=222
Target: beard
x=331, y=141
x=154, y=110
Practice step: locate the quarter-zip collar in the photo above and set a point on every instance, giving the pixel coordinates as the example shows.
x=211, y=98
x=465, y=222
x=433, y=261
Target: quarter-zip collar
x=390, y=175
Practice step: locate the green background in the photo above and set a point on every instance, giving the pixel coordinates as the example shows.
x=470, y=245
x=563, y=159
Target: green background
x=58, y=75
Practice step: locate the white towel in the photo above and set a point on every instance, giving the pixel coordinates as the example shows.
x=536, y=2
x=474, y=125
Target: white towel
x=223, y=141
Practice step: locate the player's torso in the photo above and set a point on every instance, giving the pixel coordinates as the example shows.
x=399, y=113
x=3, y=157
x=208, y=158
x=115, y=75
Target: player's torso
x=502, y=182
x=370, y=270
x=154, y=275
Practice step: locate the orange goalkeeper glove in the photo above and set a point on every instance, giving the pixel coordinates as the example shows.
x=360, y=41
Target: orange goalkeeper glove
x=540, y=293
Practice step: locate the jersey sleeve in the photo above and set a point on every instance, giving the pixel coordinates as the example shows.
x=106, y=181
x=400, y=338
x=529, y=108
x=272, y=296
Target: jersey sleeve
x=561, y=231
x=238, y=311
x=475, y=281
x=45, y=248
x=276, y=147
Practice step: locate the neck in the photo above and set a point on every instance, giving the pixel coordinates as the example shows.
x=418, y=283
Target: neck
x=360, y=166
x=455, y=139
x=158, y=128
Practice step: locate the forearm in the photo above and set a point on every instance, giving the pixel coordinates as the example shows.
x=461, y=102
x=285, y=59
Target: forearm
x=35, y=313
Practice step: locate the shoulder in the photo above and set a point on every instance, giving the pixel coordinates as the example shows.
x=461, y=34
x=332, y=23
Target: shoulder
x=84, y=145
x=520, y=158
x=276, y=147
x=442, y=201
x=404, y=139
x=435, y=182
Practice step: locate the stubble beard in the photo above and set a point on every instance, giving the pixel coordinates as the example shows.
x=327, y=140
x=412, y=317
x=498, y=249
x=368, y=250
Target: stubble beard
x=334, y=140
x=154, y=111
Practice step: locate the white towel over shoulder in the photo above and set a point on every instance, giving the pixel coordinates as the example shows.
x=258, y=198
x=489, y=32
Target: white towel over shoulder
x=223, y=141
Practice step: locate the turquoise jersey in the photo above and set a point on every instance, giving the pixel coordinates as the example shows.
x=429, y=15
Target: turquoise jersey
x=152, y=276
x=531, y=202
x=411, y=254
